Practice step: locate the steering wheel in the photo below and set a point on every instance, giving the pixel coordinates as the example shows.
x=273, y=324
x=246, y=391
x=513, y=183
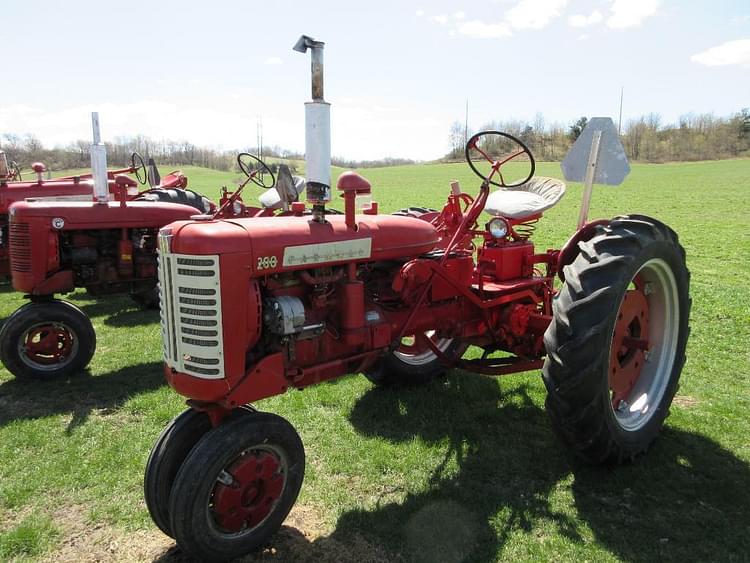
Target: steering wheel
x=249, y=163
x=16, y=175
x=140, y=170
x=494, y=149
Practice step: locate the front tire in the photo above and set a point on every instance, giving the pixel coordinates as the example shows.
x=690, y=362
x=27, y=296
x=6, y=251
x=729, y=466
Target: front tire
x=236, y=487
x=47, y=340
x=169, y=451
x=616, y=345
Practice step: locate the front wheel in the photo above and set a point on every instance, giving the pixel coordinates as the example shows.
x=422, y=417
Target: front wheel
x=47, y=340
x=616, y=346
x=236, y=487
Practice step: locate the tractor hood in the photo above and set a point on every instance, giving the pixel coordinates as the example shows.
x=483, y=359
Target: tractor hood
x=294, y=243
x=89, y=215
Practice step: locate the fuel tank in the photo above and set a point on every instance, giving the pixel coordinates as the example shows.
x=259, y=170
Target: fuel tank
x=294, y=243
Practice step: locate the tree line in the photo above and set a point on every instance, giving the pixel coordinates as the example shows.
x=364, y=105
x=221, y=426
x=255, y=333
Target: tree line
x=26, y=149
x=645, y=138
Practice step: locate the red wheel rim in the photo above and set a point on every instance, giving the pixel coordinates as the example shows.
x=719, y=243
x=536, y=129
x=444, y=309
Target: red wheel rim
x=48, y=344
x=247, y=490
x=629, y=344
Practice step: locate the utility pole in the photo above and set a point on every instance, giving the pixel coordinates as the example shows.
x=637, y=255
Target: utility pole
x=466, y=123
x=619, y=123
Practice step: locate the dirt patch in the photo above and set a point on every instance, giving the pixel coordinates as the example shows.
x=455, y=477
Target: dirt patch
x=684, y=401
x=303, y=538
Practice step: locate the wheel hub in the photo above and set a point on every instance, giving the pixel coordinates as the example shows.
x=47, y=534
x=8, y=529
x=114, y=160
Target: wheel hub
x=630, y=345
x=48, y=344
x=245, y=501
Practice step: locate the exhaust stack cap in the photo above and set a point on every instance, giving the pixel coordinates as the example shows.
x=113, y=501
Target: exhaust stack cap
x=317, y=131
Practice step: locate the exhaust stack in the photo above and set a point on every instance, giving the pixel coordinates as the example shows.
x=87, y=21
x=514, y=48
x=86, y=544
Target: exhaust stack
x=317, y=132
x=99, y=163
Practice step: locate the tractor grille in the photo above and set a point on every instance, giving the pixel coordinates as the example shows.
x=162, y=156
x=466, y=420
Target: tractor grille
x=190, y=301
x=20, y=247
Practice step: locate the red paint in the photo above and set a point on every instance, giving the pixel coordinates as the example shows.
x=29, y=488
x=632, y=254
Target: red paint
x=629, y=344
x=257, y=484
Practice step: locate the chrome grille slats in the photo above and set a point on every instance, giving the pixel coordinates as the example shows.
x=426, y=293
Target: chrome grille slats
x=191, y=314
x=19, y=239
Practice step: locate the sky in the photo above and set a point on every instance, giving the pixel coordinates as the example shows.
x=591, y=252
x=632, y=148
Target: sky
x=397, y=72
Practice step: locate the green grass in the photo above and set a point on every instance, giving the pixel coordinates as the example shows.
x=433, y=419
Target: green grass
x=465, y=468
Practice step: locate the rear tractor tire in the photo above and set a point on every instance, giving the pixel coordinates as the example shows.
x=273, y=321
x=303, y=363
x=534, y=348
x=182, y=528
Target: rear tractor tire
x=616, y=345
x=177, y=195
x=47, y=340
x=414, y=362
x=236, y=487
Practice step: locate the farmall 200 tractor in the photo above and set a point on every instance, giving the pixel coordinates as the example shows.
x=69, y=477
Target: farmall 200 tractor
x=253, y=307
x=67, y=233
x=106, y=244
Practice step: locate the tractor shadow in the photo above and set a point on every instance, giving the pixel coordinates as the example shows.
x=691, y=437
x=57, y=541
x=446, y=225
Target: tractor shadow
x=116, y=310
x=78, y=396
x=687, y=499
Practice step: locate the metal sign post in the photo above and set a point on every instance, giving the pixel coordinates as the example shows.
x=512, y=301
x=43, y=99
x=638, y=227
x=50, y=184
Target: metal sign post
x=597, y=157
x=588, y=183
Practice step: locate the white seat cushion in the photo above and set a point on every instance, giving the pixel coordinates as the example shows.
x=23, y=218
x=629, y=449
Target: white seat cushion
x=533, y=197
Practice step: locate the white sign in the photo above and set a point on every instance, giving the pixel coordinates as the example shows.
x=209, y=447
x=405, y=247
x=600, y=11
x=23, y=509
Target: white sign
x=611, y=162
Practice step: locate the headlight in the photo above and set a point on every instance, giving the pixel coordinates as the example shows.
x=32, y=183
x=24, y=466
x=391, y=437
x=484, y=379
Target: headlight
x=498, y=228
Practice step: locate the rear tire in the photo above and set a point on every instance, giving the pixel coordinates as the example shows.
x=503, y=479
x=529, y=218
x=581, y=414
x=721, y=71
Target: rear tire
x=616, y=345
x=416, y=212
x=148, y=299
x=413, y=364
x=175, y=195
x=236, y=487
x=47, y=340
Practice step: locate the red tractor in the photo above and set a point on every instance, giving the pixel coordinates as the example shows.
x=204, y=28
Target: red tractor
x=66, y=188
x=253, y=307
x=107, y=247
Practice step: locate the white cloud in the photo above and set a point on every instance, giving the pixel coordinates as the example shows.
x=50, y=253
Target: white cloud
x=479, y=29
x=579, y=20
x=459, y=15
x=534, y=14
x=272, y=61
x=729, y=53
x=631, y=13
x=419, y=13
x=442, y=19
x=740, y=19
x=583, y=37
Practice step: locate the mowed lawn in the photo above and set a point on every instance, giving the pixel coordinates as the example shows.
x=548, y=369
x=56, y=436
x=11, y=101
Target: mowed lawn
x=464, y=469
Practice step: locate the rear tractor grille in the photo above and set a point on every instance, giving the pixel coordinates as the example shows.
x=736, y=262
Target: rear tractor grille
x=191, y=314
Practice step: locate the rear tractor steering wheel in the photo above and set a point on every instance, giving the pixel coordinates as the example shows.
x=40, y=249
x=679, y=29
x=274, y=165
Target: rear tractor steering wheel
x=138, y=166
x=488, y=151
x=255, y=169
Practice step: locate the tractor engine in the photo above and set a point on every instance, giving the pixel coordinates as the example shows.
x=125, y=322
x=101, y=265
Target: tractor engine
x=252, y=307
x=285, y=303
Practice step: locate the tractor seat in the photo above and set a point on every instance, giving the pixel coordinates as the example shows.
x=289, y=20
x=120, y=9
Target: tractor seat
x=529, y=199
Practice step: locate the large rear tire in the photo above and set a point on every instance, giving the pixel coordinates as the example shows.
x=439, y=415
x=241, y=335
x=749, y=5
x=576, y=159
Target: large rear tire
x=47, y=340
x=414, y=362
x=177, y=195
x=616, y=345
x=236, y=487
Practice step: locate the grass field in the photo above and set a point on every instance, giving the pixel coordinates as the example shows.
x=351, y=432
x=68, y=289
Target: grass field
x=465, y=469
